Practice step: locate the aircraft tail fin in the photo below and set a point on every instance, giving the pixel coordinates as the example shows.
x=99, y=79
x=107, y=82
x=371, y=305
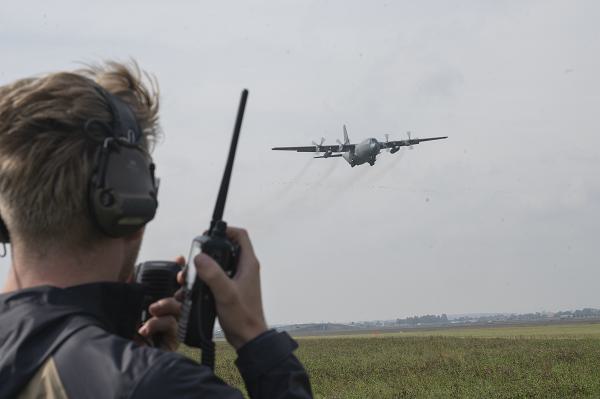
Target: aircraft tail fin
x=346, y=139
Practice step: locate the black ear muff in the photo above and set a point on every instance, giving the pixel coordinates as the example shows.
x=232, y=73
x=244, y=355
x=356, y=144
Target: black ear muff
x=123, y=194
x=123, y=190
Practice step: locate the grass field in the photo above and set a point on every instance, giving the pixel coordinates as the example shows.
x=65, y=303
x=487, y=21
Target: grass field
x=552, y=361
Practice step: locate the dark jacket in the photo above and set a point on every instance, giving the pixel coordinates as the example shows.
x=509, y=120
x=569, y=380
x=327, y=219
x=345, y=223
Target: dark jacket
x=77, y=343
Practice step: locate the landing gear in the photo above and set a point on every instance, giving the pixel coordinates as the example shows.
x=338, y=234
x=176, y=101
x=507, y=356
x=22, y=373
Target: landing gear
x=371, y=163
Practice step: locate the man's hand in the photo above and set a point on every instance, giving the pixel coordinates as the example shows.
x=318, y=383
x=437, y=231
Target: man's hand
x=238, y=300
x=162, y=327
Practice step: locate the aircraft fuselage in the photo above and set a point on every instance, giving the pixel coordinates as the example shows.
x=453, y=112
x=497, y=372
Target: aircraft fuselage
x=364, y=152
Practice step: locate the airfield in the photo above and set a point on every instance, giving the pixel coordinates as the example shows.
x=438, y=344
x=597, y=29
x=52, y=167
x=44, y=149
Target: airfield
x=560, y=328
x=526, y=360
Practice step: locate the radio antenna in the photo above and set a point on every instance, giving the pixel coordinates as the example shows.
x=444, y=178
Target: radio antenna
x=222, y=198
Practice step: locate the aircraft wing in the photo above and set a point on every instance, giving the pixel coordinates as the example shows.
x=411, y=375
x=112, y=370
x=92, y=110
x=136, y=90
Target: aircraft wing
x=320, y=148
x=402, y=143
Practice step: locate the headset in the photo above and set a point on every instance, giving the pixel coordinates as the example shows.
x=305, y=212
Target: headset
x=122, y=190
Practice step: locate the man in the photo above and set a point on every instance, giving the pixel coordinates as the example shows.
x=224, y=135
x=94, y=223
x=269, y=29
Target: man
x=68, y=314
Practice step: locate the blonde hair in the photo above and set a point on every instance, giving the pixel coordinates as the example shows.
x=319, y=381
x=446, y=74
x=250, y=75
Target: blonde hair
x=46, y=158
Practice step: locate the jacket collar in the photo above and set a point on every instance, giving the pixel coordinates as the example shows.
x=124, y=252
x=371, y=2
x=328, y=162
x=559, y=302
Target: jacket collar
x=117, y=306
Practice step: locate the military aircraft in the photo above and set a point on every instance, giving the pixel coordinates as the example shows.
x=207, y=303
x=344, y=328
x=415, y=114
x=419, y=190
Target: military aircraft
x=358, y=154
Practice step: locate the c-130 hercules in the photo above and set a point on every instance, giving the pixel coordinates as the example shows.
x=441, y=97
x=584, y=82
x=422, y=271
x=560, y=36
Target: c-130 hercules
x=357, y=154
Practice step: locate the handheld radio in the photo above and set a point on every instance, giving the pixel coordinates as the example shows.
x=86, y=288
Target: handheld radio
x=198, y=312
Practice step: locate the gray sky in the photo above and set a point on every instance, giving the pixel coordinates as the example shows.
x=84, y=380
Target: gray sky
x=504, y=216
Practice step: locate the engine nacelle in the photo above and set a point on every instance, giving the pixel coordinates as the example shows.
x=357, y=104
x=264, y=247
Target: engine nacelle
x=395, y=150
x=327, y=154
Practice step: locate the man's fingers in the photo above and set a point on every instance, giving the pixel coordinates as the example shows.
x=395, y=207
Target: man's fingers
x=179, y=295
x=159, y=325
x=166, y=307
x=248, y=261
x=211, y=273
x=180, y=260
x=241, y=237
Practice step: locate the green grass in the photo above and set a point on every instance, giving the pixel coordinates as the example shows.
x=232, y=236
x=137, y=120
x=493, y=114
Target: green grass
x=555, y=361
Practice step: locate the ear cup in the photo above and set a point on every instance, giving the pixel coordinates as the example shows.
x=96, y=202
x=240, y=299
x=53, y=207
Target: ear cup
x=123, y=195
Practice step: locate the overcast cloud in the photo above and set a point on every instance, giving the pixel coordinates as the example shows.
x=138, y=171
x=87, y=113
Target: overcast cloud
x=504, y=216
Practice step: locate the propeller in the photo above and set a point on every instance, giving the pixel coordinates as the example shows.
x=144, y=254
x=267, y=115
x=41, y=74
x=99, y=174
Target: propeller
x=318, y=146
x=341, y=145
x=410, y=146
x=392, y=149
